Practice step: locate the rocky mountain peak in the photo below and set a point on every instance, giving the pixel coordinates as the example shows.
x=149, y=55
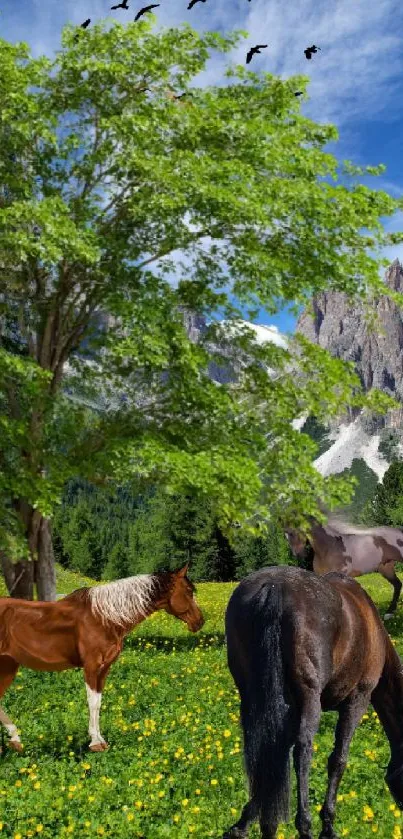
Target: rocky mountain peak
x=394, y=276
x=343, y=330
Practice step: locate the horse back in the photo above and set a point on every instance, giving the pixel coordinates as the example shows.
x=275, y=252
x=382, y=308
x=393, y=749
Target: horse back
x=362, y=552
x=299, y=607
x=360, y=649
x=331, y=637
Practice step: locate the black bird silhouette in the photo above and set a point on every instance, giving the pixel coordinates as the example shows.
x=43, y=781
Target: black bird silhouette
x=308, y=52
x=252, y=51
x=192, y=2
x=83, y=26
x=121, y=5
x=146, y=9
x=298, y=93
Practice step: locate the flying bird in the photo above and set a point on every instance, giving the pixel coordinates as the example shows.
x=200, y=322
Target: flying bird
x=256, y=49
x=146, y=9
x=192, y=2
x=122, y=5
x=83, y=26
x=298, y=93
x=308, y=52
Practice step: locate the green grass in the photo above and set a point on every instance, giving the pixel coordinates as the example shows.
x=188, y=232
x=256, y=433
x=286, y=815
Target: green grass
x=170, y=712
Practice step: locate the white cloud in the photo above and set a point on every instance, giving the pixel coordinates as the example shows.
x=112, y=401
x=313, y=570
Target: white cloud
x=356, y=75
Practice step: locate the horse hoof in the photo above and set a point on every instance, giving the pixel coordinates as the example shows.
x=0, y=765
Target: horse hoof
x=16, y=745
x=99, y=747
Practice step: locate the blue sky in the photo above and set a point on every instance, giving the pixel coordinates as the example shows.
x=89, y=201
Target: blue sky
x=356, y=79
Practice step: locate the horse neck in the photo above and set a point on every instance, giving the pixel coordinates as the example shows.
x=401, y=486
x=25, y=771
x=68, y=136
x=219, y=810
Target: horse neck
x=320, y=538
x=162, y=589
x=387, y=699
x=123, y=623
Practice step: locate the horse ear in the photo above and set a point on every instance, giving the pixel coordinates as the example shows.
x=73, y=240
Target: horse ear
x=182, y=571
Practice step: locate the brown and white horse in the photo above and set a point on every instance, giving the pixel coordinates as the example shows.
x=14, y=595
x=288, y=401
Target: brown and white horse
x=86, y=629
x=352, y=550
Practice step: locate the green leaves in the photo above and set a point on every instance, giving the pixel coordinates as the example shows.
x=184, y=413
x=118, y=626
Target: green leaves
x=113, y=185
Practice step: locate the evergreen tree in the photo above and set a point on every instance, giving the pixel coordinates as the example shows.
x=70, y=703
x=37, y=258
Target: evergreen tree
x=386, y=505
x=318, y=432
x=389, y=444
x=367, y=483
x=258, y=552
x=117, y=565
x=149, y=546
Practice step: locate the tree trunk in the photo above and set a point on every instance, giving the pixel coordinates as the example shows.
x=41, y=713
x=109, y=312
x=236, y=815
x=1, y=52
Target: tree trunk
x=45, y=572
x=19, y=577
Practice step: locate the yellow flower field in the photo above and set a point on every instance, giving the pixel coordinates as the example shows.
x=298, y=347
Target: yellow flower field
x=170, y=712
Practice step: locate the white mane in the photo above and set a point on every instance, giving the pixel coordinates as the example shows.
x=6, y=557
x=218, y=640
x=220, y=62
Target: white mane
x=342, y=526
x=123, y=601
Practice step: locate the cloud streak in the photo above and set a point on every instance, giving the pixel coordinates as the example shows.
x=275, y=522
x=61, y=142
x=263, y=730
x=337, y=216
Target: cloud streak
x=356, y=77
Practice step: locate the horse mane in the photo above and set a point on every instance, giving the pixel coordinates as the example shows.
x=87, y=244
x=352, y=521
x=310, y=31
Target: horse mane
x=122, y=601
x=343, y=526
x=77, y=594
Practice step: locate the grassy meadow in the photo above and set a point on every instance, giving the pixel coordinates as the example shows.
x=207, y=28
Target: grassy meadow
x=170, y=713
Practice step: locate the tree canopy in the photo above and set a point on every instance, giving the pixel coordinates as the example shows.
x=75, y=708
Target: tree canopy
x=104, y=175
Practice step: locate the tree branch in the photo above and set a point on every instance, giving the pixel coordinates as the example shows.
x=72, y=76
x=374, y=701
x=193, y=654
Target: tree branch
x=166, y=251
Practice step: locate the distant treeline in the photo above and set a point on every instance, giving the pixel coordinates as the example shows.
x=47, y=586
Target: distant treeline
x=108, y=536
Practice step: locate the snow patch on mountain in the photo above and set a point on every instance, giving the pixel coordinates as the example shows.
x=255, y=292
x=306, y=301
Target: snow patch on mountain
x=349, y=442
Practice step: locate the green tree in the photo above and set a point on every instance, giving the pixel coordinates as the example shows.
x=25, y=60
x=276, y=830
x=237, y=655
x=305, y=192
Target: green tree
x=149, y=546
x=389, y=444
x=366, y=485
x=253, y=552
x=318, y=433
x=385, y=507
x=117, y=565
x=89, y=205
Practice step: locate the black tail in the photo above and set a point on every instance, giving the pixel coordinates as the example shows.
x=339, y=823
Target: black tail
x=268, y=720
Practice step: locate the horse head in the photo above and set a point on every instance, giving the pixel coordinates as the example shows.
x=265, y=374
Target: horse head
x=181, y=602
x=297, y=541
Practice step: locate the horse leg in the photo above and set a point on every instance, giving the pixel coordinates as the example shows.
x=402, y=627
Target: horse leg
x=388, y=572
x=8, y=671
x=268, y=831
x=303, y=749
x=240, y=829
x=350, y=714
x=94, y=683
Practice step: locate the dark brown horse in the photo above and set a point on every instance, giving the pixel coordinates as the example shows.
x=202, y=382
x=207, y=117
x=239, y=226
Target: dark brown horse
x=352, y=550
x=86, y=629
x=298, y=644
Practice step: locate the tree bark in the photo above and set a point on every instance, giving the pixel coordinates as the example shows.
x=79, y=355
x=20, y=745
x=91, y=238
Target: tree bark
x=39, y=570
x=19, y=577
x=45, y=572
